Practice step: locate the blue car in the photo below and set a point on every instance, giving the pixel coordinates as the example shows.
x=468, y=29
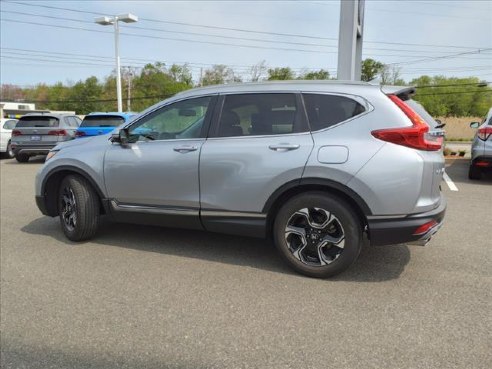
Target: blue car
x=95, y=124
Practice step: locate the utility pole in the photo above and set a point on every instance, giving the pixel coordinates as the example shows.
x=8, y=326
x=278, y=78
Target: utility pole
x=350, y=39
x=201, y=76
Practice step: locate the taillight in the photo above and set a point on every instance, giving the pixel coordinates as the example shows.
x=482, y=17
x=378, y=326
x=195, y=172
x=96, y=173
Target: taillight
x=58, y=132
x=16, y=132
x=417, y=136
x=80, y=133
x=424, y=228
x=484, y=133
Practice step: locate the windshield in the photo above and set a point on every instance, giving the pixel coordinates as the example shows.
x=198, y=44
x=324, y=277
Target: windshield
x=102, y=121
x=38, y=121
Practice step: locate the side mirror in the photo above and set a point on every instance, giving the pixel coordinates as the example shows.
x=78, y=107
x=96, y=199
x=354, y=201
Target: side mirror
x=120, y=137
x=474, y=124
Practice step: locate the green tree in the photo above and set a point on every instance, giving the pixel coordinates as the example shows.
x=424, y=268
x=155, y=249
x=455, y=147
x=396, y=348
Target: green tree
x=370, y=69
x=318, y=75
x=280, y=74
x=219, y=74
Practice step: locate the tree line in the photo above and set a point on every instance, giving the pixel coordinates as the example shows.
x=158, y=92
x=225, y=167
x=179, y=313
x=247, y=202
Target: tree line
x=441, y=96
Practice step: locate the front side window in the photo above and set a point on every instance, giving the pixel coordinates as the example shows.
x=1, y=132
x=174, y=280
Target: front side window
x=259, y=114
x=324, y=111
x=180, y=120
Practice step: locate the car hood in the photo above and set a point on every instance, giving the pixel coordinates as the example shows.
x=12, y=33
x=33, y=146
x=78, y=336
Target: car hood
x=81, y=141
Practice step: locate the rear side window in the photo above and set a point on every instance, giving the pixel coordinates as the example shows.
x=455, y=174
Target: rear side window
x=10, y=124
x=324, y=111
x=37, y=122
x=102, y=121
x=259, y=114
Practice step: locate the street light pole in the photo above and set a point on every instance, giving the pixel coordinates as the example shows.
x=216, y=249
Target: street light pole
x=118, y=69
x=106, y=21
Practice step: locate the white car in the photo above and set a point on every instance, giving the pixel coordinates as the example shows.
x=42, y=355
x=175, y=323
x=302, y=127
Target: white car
x=6, y=127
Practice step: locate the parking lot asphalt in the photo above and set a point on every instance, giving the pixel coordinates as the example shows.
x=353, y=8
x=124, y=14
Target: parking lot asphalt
x=144, y=297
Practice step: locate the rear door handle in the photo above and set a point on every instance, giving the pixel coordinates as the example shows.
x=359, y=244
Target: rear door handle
x=185, y=148
x=284, y=147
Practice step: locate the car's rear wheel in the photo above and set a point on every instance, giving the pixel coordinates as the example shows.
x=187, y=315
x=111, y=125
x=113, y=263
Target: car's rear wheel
x=78, y=206
x=474, y=172
x=9, y=153
x=22, y=158
x=318, y=234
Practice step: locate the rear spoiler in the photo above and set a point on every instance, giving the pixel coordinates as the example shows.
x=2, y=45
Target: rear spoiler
x=403, y=92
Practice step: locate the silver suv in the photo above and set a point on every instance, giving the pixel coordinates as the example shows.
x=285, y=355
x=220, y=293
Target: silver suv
x=481, y=150
x=317, y=167
x=38, y=133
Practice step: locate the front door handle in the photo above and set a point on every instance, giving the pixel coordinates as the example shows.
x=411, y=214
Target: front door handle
x=284, y=147
x=185, y=148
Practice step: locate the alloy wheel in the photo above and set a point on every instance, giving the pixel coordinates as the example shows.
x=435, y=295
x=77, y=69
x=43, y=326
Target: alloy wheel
x=315, y=236
x=69, y=208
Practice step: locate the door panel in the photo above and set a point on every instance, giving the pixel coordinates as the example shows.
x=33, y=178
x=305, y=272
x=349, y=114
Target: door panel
x=261, y=143
x=153, y=173
x=154, y=177
x=240, y=174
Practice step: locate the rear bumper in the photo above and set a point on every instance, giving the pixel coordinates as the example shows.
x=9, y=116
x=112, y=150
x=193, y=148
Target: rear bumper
x=32, y=150
x=391, y=231
x=482, y=161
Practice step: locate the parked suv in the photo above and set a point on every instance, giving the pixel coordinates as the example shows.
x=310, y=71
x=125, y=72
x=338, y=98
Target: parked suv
x=481, y=151
x=317, y=167
x=95, y=124
x=38, y=133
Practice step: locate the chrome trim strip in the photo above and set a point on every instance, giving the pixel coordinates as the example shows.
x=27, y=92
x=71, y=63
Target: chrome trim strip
x=153, y=209
x=376, y=217
x=236, y=214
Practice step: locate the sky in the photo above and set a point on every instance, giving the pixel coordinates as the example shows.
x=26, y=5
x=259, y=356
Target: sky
x=51, y=41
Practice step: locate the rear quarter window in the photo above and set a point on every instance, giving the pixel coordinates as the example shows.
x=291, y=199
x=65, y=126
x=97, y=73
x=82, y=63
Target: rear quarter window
x=37, y=122
x=325, y=110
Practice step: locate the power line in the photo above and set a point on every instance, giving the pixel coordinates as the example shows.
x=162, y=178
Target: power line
x=242, y=29
x=169, y=38
x=220, y=36
x=219, y=43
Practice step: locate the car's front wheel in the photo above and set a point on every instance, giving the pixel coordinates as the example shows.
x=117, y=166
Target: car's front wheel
x=78, y=206
x=318, y=234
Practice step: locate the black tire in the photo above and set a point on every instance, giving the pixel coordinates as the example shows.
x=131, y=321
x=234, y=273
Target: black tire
x=22, y=158
x=78, y=206
x=474, y=172
x=347, y=226
x=9, y=153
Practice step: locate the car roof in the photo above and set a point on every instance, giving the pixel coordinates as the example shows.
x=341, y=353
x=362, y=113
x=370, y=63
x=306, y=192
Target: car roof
x=320, y=85
x=50, y=115
x=109, y=113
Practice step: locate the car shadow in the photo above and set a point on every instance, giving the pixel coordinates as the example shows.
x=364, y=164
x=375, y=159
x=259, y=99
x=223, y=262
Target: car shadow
x=375, y=264
x=457, y=169
x=39, y=159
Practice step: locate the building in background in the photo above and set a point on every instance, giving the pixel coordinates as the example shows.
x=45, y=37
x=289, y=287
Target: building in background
x=18, y=109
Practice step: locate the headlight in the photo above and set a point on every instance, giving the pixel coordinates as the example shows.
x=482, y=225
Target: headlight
x=51, y=154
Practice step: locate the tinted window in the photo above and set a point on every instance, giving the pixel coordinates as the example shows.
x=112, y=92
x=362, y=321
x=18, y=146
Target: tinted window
x=324, y=111
x=38, y=121
x=259, y=114
x=102, y=121
x=183, y=119
x=10, y=124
